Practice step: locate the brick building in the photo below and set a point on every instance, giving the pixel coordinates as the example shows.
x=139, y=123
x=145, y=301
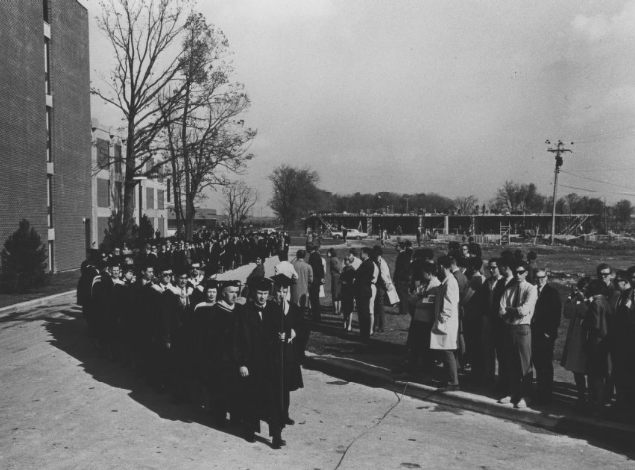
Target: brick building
x=107, y=188
x=45, y=124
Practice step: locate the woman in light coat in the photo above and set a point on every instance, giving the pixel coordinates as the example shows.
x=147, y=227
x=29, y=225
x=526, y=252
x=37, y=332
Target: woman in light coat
x=445, y=331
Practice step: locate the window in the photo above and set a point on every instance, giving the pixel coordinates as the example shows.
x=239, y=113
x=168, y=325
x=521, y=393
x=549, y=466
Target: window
x=103, y=153
x=49, y=153
x=118, y=159
x=51, y=255
x=103, y=192
x=168, y=189
x=118, y=195
x=49, y=201
x=102, y=225
x=160, y=199
x=47, y=71
x=149, y=198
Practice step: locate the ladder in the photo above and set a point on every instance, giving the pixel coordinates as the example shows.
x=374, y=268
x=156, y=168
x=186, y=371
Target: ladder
x=505, y=233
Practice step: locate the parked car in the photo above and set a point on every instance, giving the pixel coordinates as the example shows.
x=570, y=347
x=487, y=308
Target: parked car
x=352, y=234
x=268, y=231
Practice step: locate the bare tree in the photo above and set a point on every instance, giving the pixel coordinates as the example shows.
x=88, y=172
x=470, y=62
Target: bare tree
x=465, y=205
x=239, y=201
x=143, y=34
x=204, y=141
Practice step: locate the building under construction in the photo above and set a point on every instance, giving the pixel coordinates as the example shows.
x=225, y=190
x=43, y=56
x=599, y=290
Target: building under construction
x=496, y=225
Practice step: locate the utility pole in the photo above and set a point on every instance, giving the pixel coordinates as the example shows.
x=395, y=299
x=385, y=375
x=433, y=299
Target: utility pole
x=559, y=150
x=407, y=199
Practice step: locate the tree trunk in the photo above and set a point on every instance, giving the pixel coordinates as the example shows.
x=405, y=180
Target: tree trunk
x=129, y=182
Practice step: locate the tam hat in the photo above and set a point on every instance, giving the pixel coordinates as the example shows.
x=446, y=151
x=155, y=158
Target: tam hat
x=211, y=284
x=261, y=284
x=228, y=283
x=281, y=280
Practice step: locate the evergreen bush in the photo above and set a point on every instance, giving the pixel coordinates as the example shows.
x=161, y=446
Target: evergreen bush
x=24, y=260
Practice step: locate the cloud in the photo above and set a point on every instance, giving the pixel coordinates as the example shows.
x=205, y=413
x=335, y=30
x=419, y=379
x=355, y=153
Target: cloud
x=602, y=26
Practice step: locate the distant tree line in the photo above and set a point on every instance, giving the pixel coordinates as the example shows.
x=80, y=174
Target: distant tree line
x=296, y=194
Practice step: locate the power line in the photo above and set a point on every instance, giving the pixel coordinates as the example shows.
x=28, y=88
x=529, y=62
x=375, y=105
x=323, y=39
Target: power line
x=598, y=181
x=598, y=192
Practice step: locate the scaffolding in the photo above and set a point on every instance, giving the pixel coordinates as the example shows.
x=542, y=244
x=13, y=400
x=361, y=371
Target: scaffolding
x=505, y=231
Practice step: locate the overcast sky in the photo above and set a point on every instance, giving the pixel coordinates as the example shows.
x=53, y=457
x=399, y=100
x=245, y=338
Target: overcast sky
x=453, y=97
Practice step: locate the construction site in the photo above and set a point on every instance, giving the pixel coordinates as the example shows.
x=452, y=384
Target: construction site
x=486, y=228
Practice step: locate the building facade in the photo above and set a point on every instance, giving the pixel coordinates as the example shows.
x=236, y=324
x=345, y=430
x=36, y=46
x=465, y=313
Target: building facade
x=45, y=125
x=108, y=170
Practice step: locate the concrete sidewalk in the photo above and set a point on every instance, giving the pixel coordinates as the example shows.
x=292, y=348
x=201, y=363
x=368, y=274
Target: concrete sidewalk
x=374, y=371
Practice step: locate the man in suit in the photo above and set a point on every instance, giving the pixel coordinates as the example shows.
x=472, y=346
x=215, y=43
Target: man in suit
x=315, y=261
x=544, y=331
x=363, y=288
x=300, y=290
x=402, y=274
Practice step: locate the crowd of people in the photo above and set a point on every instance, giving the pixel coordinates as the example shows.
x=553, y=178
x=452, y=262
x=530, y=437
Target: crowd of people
x=163, y=313
x=507, y=321
x=215, y=251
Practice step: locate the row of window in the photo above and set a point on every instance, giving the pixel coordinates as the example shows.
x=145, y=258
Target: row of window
x=104, y=195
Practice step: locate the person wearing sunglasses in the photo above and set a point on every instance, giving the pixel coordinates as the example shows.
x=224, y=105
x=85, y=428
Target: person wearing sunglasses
x=517, y=309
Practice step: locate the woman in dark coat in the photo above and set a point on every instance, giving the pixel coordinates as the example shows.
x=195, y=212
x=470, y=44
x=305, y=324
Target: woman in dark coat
x=347, y=294
x=335, y=268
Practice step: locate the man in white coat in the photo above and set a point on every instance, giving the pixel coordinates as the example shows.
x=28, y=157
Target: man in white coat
x=445, y=331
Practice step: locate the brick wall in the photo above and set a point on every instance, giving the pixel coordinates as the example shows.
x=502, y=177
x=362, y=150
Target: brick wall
x=70, y=87
x=22, y=117
x=23, y=167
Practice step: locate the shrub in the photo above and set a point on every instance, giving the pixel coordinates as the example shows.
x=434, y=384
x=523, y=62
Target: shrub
x=24, y=260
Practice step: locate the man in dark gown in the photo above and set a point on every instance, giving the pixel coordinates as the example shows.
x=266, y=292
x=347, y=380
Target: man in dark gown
x=291, y=351
x=219, y=372
x=256, y=342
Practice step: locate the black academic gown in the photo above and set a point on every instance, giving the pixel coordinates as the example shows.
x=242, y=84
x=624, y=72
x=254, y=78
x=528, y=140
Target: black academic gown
x=217, y=366
x=256, y=347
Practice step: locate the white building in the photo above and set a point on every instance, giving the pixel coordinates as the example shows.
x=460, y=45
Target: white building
x=107, y=187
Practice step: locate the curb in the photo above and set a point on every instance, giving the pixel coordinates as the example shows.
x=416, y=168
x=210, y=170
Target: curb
x=359, y=372
x=29, y=304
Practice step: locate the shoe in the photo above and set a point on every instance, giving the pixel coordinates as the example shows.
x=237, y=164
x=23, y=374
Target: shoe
x=277, y=443
x=505, y=400
x=250, y=437
x=380, y=330
x=522, y=404
x=289, y=422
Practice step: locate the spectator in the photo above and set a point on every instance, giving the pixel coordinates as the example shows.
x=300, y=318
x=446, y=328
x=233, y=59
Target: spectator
x=544, y=332
x=574, y=357
x=444, y=334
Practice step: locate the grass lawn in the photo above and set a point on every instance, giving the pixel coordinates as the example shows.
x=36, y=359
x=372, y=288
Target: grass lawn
x=564, y=263
x=60, y=282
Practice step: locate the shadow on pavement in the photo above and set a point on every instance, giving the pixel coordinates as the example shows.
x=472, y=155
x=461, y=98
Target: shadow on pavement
x=70, y=335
